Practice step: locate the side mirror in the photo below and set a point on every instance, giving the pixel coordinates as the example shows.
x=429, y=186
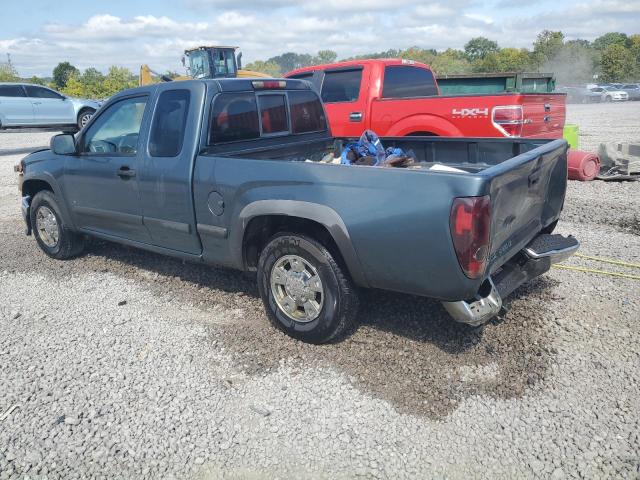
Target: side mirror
x=63, y=144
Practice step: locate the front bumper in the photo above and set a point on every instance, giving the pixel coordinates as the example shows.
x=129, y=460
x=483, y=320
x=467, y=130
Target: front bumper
x=534, y=260
x=25, y=207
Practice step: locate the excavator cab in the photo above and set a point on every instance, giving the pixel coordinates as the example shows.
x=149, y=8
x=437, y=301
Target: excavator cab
x=212, y=62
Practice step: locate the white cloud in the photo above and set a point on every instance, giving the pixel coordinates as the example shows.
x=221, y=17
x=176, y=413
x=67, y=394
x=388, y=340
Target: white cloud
x=270, y=27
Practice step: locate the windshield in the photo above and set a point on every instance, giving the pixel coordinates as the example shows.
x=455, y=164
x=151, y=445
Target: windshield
x=199, y=64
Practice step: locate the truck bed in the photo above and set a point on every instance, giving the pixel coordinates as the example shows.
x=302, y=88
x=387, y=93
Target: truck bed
x=473, y=155
x=525, y=179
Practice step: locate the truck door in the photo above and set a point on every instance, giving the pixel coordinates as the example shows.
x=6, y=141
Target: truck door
x=167, y=164
x=344, y=94
x=101, y=181
x=49, y=107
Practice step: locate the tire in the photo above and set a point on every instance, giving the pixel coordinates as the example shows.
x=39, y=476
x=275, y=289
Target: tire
x=62, y=245
x=84, y=116
x=335, y=299
x=607, y=99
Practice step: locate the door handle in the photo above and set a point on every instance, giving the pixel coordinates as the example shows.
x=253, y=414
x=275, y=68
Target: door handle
x=37, y=103
x=126, y=172
x=355, y=117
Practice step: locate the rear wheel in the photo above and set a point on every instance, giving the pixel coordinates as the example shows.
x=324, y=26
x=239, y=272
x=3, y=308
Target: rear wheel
x=306, y=293
x=53, y=236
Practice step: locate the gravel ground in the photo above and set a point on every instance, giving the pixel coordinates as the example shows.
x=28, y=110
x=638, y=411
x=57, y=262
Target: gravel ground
x=125, y=364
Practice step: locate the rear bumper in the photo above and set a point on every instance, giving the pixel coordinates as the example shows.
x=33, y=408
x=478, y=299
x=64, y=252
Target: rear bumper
x=531, y=262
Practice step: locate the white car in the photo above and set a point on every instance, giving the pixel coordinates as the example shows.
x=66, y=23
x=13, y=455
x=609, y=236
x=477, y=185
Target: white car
x=28, y=105
x=611, y=94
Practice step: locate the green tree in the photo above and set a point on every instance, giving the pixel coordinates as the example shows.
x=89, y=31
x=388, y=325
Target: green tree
x=419, y=55
x=612, y=38
x=505, y=60
x=270, y=68
x=547, y=45
x=617, y=64
x=117, y=79
x=325, y=56
x=479, y=47
x=93, y=83
x=37, y=80
x=62, y=72
x=451, y=61
x=290, y=61
x=8, y=73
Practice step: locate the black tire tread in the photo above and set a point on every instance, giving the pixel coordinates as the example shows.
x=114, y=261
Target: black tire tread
x=348, y=293
x=70, y=243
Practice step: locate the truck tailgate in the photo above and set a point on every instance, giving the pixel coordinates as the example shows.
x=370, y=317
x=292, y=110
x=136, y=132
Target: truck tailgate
x=527, y=194
x=544, y=115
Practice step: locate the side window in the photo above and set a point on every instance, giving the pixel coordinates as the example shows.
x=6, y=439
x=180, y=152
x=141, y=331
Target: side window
x=11, y=91
x=341, y=86
x=307, y=114
x=273, y=113
x=169, y=122
x=116, y=130
x=234, y=117
x=39, y=92
x=405, y=82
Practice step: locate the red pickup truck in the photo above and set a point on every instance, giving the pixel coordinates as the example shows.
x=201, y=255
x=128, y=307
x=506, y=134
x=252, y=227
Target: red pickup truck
x=395, y=98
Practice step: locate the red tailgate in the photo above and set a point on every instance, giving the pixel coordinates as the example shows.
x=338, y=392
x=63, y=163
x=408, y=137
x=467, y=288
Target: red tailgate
x=544, y=115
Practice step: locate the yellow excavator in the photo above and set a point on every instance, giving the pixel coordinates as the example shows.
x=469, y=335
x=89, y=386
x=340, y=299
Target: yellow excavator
x=205, y=62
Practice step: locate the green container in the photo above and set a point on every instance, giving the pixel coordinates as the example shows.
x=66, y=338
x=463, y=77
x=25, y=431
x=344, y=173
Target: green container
x=571, y=134
x=478, y=83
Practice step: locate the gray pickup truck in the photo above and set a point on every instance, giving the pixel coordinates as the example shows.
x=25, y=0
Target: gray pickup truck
x=228, y=172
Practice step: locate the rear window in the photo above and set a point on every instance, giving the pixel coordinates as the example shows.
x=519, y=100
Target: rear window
x=307, y=114
x=341, y=86
x=234, y=118
x=405, y=82
x=167, y=132
x=273, y=113
x=11, y=91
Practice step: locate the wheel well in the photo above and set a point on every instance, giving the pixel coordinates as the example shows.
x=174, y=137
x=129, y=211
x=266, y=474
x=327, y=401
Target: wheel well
x=31, y=187
x=85, y=109
x=261, y=229
x=422, y=134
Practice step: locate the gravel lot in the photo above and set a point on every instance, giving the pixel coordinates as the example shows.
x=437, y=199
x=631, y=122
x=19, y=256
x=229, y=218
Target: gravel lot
x=125, y=364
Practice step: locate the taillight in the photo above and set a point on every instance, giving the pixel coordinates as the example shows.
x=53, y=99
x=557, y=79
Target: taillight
x=470, y=224
x=508, y=120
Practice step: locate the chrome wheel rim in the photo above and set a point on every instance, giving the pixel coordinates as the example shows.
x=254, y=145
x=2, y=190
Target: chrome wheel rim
x=297, y=288
x=47, y=226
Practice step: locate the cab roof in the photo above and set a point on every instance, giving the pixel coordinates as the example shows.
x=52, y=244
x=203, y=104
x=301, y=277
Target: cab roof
x=226, y=85
x=358, y=63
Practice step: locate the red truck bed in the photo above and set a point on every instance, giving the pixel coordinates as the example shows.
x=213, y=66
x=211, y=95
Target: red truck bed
x=400, y=97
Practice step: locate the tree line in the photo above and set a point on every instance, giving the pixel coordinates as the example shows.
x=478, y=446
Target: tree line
x=612, y=57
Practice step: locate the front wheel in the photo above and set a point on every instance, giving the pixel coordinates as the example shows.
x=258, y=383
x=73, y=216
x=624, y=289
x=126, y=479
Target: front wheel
x=607, y=99
x=305, y=291
x=52, y=235
x=84, y=117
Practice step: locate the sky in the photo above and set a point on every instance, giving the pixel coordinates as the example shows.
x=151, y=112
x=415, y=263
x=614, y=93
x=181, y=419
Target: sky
x=40, y=33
